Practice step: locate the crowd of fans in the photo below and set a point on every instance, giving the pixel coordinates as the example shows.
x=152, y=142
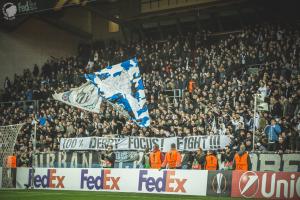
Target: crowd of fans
x=217, y=78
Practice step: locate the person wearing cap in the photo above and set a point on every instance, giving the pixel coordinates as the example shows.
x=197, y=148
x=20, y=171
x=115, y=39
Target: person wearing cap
x=211, y=161
x=156, y=158
x=242, y=160
x=172, y=159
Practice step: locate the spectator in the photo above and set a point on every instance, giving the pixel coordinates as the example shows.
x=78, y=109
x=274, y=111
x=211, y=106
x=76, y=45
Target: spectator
x=242, y=160
x=272, y=131
x=172, y=158
x=188, y=160
x=200, y=159
x=211, y=161
x=108, y=158
x=146, y=158
x=281, y=147
x=156, y=158
x=227, y=157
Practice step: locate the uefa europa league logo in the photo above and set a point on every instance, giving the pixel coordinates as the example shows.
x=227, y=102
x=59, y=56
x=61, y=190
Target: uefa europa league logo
x=219, y=183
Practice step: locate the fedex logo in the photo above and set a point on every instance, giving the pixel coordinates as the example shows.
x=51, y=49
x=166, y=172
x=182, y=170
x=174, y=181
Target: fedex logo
x=104, y=181
x=166, y=183
x=47, y=181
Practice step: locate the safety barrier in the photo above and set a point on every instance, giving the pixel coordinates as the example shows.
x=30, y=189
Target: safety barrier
x=182, y=182
x=133, y=159
x=247, y=184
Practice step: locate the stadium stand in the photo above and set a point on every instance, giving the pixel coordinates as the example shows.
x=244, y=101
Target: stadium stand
x=215, y=76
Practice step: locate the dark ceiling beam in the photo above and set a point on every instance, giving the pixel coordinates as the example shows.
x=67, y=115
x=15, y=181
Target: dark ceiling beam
x=198, y=7
x=188, y=13
x=105, y=15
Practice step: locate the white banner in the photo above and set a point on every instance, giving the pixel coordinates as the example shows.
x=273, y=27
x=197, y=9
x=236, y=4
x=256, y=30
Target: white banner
x=183, y=182
x=84, y=97
x=191, y=143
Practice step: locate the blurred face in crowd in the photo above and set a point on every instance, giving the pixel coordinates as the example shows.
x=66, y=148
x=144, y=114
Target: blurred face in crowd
x=199, y=151
x=280, y=140
x=248, y=143
x=109, y=148
x=273, y=122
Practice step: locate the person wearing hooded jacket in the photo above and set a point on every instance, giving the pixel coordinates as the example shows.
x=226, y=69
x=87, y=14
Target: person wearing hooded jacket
x=242, y=160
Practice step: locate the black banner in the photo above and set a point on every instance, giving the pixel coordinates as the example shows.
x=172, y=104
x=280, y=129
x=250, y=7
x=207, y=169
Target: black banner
x=132, y=159
x=14, y=9
x=92, y=159
x=275, y=162
x=219, y=183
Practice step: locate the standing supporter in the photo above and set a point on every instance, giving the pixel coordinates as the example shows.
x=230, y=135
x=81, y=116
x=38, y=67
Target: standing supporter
x=272, y=131
x=281, y=147
x=172, y=159
x=109, y=157
x=227, y=157
x=211, y=161
x=11, y=165
x=191, y=85
x=242, y=160
x=187, y=161
x=199, y=159
x=156, y=158
x=146, y=158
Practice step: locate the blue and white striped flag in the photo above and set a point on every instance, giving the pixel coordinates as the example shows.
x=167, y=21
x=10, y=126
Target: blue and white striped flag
x=122, y=86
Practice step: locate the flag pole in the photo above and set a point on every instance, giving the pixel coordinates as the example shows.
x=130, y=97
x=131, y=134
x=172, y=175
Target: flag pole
x=254, y=116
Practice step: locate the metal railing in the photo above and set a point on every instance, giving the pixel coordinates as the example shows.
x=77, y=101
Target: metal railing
x=175, y=94
x=25, y=105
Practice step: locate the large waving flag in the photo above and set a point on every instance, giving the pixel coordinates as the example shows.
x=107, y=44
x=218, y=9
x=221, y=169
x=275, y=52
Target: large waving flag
x=85, y=97
x=122, y=86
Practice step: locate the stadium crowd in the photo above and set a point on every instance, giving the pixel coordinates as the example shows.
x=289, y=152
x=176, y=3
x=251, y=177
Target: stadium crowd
x=217, y=75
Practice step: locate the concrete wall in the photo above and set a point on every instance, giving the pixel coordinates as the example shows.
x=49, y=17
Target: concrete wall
x=33, y=43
